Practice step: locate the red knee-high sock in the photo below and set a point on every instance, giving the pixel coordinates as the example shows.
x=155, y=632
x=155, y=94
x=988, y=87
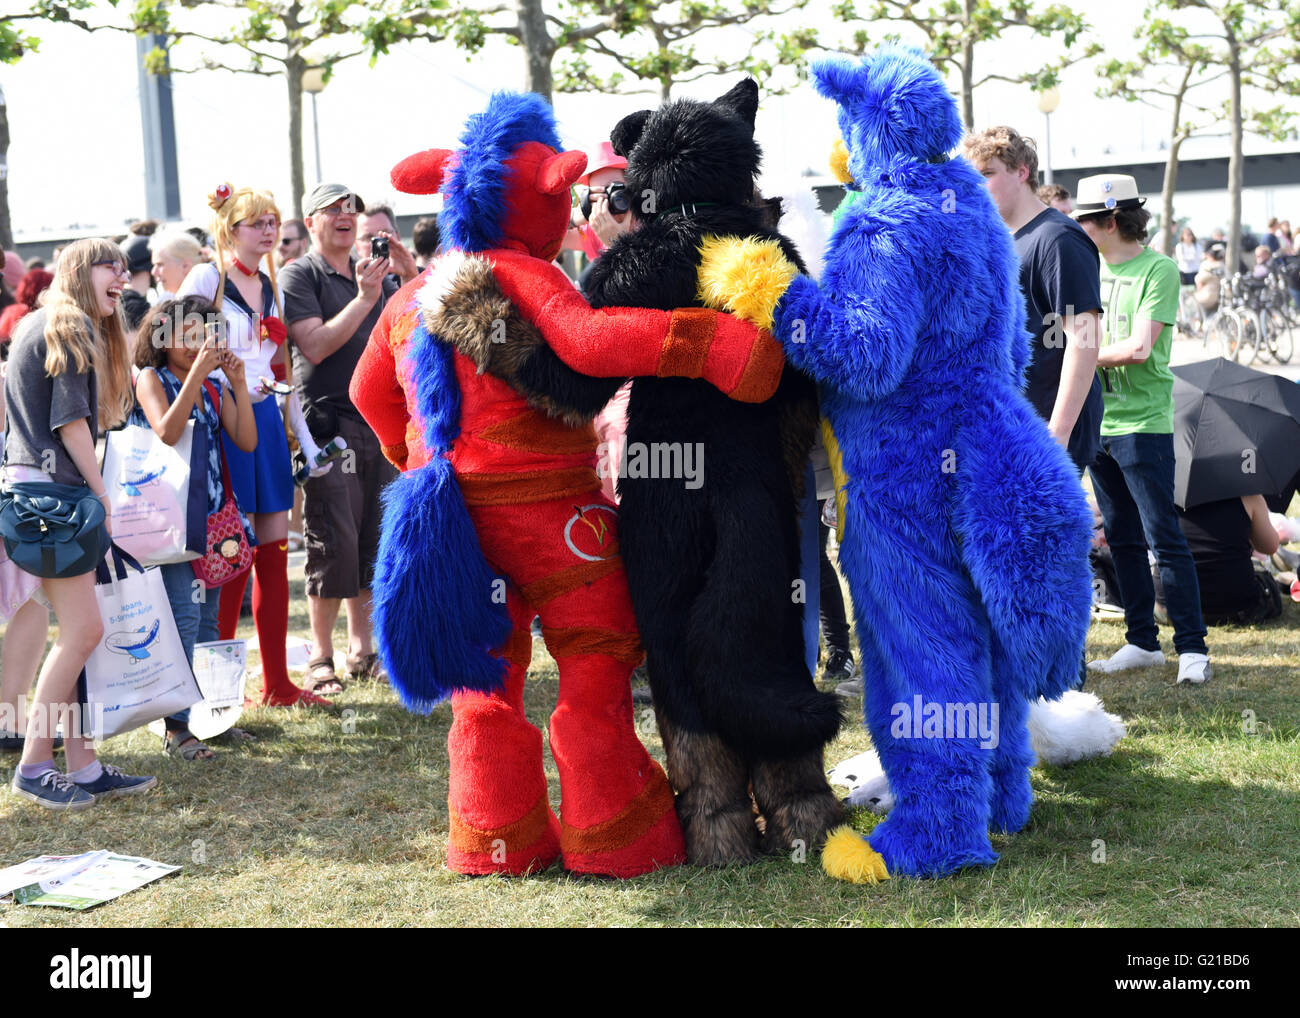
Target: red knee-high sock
x=232, y=602
x=271, y=613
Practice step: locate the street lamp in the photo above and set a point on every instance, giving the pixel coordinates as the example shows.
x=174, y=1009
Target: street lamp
x=313, y=83
x=1048, y=100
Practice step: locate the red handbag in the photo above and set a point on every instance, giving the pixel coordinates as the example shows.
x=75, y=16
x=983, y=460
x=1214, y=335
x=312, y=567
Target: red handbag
x=228, y=552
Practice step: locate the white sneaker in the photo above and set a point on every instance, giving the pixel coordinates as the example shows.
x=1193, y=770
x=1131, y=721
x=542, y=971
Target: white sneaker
x=1194, y=668
x=1128, y=656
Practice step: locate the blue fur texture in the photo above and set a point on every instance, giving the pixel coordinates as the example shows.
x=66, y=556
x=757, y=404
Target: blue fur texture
x=966, y=531
x=429, y=556
x=475, y=191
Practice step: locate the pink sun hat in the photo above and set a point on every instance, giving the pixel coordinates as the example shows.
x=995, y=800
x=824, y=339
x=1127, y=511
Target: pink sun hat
x=603, y=157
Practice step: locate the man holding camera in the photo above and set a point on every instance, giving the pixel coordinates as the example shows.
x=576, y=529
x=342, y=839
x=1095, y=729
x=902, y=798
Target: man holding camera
x=331, y=304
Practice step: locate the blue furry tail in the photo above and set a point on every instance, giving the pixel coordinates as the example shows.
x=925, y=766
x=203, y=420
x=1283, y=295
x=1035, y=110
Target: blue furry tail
x=1026, y=529
x=437, y=613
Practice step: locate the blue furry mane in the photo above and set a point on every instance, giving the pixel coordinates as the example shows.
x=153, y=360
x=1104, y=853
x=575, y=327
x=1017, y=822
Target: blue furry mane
x=438, y=393
x=475, y=191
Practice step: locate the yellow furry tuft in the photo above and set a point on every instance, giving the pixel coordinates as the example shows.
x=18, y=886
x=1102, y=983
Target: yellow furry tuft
x=745, y=276
x=840, y=162
x=847, y=856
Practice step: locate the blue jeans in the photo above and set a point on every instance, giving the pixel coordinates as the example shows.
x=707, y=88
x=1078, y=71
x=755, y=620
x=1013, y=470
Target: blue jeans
x=196, y=621
x=1133, y=478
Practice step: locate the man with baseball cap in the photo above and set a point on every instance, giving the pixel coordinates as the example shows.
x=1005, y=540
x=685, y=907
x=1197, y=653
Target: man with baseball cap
x=1133, y=475
x=331, y=304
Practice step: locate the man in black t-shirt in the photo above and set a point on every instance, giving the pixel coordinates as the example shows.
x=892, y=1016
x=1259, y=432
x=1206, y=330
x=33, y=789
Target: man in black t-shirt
x=1059, y=278
x=331, y=303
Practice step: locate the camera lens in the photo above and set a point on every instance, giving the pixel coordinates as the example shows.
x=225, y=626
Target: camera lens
x=619, y=200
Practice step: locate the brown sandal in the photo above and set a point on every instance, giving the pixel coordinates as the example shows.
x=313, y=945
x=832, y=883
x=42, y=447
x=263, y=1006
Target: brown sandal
x=365, y=668
x=321, y=679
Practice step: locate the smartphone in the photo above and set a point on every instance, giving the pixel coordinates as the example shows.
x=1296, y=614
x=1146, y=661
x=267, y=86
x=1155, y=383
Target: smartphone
x=378, y=247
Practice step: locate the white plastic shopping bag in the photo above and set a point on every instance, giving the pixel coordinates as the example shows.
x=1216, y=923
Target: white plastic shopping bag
x=139, y=671
x=219, y=668
x=159, y=512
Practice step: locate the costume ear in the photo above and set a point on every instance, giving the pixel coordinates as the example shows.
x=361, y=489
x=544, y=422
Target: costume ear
x=627, y=132
x=421, y=173
x=838, y=79
x=742, y=100
x=558, y=173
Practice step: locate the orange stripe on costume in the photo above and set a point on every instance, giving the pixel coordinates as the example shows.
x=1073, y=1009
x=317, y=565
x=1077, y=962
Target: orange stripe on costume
x=540, y=592
x=625, y=827
x=624, y=647
x=527, y=486
x=765, y=362
x=690, y=335
x=535, y=432
x=521, y=834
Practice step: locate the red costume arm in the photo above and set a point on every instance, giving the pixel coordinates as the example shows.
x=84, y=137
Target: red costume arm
x=377, y=392
x=742, y=361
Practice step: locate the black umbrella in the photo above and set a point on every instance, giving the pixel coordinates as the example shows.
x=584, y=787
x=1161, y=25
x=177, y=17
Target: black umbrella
x=1236, y=432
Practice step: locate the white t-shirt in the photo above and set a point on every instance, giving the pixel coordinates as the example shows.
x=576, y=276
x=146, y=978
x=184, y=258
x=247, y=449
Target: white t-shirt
x=243, y=331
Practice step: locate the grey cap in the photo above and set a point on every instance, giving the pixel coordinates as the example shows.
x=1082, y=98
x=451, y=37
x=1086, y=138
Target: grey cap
x=324, y=195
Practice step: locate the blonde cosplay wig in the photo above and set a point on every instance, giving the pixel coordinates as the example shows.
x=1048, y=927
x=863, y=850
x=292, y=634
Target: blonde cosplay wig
x=230, y=208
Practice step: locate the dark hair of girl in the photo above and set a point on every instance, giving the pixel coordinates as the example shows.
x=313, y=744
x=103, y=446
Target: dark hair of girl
x=166, y=323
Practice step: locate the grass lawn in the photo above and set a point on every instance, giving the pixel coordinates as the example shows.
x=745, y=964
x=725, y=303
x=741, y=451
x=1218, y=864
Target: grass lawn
x=340, y=819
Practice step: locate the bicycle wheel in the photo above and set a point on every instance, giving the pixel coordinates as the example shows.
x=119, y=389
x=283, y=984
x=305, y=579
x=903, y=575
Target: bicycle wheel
x=1226, y=330
x=1281, y=336
x=1251, y=337
x=1189, y=313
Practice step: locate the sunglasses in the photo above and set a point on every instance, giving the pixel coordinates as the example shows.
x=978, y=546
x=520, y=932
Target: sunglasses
x=289, y=240
x=616, y=194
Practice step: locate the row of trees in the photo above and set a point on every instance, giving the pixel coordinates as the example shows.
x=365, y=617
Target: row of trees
x=1183, y=46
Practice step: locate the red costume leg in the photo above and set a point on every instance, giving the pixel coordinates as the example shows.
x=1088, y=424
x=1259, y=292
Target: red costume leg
x=500, y=817
x=617, y=806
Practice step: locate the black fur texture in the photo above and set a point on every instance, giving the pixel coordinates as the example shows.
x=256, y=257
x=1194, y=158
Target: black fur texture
x=712, y=569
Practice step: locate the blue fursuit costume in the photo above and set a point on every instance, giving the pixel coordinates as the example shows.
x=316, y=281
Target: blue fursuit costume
x=964, y=527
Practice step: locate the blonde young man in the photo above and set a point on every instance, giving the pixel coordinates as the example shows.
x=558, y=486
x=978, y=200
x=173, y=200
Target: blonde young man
x=1060, y=283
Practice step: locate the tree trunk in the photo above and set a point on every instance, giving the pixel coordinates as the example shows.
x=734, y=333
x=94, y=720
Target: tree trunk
x=1176, y=139
x=1167, y=193
x=293, y=75
x=968, y=70
x=538, y=46
x=294, y=65
x=6, y=230
x=1235, y=159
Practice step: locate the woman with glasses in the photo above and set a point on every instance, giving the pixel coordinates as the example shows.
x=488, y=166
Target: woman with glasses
x=245, y=227
x=68, y=378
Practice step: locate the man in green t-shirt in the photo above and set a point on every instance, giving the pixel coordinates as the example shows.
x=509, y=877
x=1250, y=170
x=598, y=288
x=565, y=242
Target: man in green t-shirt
x=1133, y=476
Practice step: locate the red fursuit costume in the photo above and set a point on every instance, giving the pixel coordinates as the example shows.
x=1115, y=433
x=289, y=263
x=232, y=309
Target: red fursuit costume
x=523, y=452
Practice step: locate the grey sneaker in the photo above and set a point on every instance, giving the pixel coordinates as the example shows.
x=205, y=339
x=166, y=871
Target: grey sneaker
x=850, y=689
x=114, y=783
x=53, y=790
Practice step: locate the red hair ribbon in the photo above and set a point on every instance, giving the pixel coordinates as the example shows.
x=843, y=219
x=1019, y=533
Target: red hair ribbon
x=274, y=330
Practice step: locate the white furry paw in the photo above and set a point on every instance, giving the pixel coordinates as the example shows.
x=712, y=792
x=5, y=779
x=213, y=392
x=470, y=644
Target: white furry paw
x=1075, y=727
x=866, y=781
